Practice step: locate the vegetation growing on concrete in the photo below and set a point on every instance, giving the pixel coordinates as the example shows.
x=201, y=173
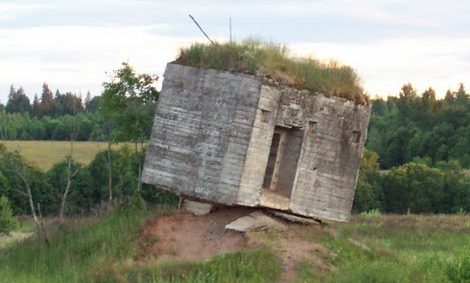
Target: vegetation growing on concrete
x=273, y=61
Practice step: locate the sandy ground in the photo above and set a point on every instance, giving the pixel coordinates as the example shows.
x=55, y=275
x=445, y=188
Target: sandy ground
x=181, y=236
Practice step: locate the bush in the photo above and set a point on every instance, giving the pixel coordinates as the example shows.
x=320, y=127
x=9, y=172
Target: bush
x=7, y=222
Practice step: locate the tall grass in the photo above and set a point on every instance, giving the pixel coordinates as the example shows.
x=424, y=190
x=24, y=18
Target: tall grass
x=273, y=60
x=72, y=250
x=107, y=250
x=255, y=266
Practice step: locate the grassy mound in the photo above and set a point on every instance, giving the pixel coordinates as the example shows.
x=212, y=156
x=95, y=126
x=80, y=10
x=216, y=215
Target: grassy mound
x=107, y=250
x=272, y=60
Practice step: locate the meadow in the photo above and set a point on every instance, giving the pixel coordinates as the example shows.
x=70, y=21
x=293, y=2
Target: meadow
x=370, y=248
x=44, y=154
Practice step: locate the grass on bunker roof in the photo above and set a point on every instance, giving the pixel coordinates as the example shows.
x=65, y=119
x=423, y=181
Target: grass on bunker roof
x=273, y=60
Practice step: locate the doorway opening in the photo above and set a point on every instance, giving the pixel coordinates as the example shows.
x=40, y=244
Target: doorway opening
x=282, y=162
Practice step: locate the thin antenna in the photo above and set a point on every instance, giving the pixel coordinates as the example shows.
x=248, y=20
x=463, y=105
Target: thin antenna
x=201, y=29
x=230, y=25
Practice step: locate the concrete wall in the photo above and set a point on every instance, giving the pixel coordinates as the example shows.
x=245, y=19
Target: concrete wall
x=212, y=136
x=201, y=132
x=258, y=150
x=330, y=158
x=327, y=168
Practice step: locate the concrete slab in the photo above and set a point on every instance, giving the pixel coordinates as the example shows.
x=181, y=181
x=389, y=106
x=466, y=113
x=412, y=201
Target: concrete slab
x=295, y=218
x=197, y=207
x=256, y=220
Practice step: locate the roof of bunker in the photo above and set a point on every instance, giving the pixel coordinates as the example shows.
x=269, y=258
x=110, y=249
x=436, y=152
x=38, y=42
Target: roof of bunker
x=272, y=62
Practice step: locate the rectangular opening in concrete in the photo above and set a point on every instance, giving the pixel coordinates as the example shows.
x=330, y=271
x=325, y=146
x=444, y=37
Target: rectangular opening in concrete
x=268, y=176
x=282, y=161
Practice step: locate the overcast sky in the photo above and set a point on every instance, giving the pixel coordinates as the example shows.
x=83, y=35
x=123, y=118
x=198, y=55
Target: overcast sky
x=72, y=44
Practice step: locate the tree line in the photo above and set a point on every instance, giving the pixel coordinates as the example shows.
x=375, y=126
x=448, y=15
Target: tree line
x=88, y=190
x=414, y=187
x=52, y=117
x=421, y=126
x=417, y=149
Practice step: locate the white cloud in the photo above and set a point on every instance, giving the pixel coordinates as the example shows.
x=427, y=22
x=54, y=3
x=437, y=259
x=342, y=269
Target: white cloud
x=76, y=58
x=386, y=65
x=10, y=10
x=71, y=45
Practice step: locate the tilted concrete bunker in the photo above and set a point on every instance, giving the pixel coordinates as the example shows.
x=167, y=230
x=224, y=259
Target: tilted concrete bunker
x=234, y=139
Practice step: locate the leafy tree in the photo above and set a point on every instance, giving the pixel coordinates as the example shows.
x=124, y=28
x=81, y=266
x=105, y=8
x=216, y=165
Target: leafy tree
x=368, y=189
x=414, y=187
x=123, y=99
x=7, y=222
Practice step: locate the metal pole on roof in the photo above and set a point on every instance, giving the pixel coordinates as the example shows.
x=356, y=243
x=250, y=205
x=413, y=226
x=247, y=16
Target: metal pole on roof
x=230, y=25
x=201, y=29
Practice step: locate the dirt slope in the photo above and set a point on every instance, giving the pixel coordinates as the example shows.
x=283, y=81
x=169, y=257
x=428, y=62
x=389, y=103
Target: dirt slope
x=181, y=236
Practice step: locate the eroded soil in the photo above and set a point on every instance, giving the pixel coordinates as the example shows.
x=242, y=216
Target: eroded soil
x=181, y=236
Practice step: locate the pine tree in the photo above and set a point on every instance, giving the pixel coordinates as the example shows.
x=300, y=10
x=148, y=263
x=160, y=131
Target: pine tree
x=47, y=101
x=36, y=106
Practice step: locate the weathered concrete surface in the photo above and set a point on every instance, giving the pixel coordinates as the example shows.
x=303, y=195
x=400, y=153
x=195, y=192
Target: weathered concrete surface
x=256, y=220
x=295, y=218
x=212, y=138
x=197, y=207
x=201, y=132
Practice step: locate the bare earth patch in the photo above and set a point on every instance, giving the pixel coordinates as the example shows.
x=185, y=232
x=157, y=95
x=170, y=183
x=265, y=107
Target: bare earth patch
x=13, y=237
x=181, y=236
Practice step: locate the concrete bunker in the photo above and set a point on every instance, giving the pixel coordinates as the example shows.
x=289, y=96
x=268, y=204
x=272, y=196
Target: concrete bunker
x=236, y=139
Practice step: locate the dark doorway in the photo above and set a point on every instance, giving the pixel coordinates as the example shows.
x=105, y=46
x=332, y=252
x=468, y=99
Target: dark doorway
x=282, y=162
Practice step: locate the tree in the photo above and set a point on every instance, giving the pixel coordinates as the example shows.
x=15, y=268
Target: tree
x=71, y=172
x=14, y=162
x=17, y=101
x=47, y=101
x=36, y=106
x=368, y=189
x=414, y=187
x=123, y=99
x=7, y=222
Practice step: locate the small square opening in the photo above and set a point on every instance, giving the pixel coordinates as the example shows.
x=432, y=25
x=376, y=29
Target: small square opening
x=265, y=116
x=356, y=136
x=312, y=126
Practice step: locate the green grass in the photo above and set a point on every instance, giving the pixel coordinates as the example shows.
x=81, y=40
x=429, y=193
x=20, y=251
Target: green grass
x=106, y=250
x=259, y=265
x=72, y=250
x=383, y=248
x=44, y=154
x=273, y=60
x=400, y=249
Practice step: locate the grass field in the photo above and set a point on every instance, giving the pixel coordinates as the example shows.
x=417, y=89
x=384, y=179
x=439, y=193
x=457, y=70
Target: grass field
x=44, y=154
x=377, y=248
